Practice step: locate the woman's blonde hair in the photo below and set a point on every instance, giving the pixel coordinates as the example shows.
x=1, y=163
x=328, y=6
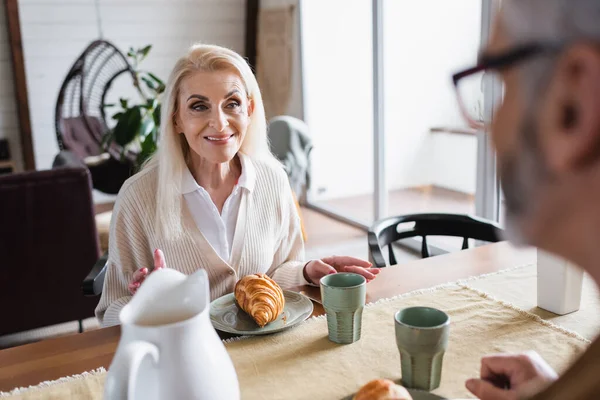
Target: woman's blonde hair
x=173, y=149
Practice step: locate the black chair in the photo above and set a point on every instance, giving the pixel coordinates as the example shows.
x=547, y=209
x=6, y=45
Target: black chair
x=94, y=282
x=388, y=231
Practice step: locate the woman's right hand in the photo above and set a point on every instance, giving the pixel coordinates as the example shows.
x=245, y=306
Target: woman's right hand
x=142, y=273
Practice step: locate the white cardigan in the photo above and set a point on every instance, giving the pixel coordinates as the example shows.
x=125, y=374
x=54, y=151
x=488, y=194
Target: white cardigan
x=267, y=239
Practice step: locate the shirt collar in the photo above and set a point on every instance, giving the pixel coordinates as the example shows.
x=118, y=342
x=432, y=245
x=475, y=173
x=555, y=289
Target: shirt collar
x=247, y=178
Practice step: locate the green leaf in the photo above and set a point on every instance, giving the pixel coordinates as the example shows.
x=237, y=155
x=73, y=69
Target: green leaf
x=155, y=78
x=109, y=105
x=128, y=126
x=146, y=127
x=148, y=148
x=151, y=85
x=144, y=51
x=151, y=104
x=160, y=85
x=117, y=116
x=156, y=134
x=149, y=144
x=156, y=115
x=124, y=103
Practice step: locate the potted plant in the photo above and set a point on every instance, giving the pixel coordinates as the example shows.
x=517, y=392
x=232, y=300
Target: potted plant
x=138, y=125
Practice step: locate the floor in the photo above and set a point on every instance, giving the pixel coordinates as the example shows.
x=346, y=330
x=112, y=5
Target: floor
x=325, y=237
x=407, y=201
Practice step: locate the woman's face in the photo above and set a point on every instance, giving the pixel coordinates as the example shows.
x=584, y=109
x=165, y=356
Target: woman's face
x=213, y=113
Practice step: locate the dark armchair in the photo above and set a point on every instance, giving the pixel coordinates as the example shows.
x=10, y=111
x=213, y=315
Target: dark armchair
x=48, y=243
x=93, y=282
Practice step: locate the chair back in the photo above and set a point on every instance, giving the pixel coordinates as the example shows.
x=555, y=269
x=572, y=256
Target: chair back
x=290, y=143
x=48, y=243
x=80, y=116
x=388, y=231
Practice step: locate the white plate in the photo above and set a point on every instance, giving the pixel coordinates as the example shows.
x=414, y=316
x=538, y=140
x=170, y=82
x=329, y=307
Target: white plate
x=226, y=316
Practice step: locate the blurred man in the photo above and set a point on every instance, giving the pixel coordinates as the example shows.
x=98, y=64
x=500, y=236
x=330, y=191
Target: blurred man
x=547, y=136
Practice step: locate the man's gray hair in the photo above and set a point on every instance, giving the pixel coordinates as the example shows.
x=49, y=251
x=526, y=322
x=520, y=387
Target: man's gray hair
x=563, y=20
x=527, y=21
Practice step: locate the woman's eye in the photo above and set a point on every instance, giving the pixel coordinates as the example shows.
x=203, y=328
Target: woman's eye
x=199, y=107
x=233, y=104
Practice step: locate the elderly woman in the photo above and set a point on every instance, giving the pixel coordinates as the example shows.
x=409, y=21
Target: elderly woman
x=213, y=196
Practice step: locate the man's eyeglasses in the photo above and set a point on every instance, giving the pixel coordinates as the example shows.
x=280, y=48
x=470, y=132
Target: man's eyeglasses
x=469, y=83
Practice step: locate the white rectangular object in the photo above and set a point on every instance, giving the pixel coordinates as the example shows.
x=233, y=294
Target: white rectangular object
x=559, y=284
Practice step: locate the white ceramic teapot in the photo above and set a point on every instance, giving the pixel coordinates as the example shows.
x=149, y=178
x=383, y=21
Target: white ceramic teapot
x=169, y=348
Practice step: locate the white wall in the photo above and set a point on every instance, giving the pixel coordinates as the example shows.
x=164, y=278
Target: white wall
x=55, y=32
x=9, y=123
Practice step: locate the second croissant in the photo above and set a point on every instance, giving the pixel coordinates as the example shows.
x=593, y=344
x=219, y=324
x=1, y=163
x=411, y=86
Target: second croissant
x=260, y=297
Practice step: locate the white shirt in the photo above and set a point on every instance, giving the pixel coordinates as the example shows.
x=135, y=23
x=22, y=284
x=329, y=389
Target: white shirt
x=218, y=229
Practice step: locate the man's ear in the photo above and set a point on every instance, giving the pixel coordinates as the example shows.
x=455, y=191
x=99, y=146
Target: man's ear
x=569, y=119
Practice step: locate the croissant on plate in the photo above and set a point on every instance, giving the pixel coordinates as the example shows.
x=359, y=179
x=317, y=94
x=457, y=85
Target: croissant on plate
x=382, y=389
x=260, y=297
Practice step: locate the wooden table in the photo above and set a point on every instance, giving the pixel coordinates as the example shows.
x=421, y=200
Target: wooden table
x=54, y=358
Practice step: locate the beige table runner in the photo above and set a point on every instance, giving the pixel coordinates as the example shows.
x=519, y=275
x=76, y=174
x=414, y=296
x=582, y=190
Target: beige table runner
x=302, y=363
x=519, y=287
x=88, y=385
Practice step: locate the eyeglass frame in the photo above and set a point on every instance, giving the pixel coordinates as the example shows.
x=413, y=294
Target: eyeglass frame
x=500, y=62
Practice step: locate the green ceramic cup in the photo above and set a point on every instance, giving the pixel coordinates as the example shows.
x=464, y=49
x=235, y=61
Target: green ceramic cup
x=422, y=338
x=344, y=296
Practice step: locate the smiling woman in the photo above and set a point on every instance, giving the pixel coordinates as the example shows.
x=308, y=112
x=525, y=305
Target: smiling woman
x=212, y=197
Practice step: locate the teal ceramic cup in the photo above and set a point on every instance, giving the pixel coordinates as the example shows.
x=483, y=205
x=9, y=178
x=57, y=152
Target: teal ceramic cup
x=343, y=296
x=422, y=338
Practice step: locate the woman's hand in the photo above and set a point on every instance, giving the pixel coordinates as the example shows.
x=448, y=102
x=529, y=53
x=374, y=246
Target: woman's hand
x=316, y=269
x=142, y=273
x=512, y=377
